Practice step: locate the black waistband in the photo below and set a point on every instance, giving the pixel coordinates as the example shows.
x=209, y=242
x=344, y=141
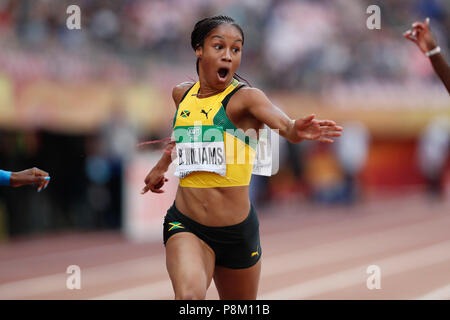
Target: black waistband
x=250, y=217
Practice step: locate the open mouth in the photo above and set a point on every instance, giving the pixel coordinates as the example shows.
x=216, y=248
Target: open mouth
x=222, y=72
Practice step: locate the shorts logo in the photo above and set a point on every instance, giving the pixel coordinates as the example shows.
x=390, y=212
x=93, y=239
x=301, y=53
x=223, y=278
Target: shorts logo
x=256, y=253
x=175, y=225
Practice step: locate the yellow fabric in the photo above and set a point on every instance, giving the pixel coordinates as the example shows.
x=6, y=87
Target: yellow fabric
x=239, y=155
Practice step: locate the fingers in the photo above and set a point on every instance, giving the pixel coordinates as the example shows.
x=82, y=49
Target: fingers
x=159, y=185
x=43, y=183
x=38, y=177
x=326, y=140
x=38, y=172
x=326, y=123
x=327, y=135
x=331, y=134
x=157, y=190
x=145, y=189
x=417, y=28
x=309, y=118
x=328, y=130
x=304, y=121
x=408, y=35
x=148, y=187
x=422, y=26
x=154, y=188
x=418, y=25
x=331, y=128
x=329, y=123
x=413, y=34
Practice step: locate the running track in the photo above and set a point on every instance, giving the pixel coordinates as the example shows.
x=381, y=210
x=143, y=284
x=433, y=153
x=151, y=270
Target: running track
x=309, y=252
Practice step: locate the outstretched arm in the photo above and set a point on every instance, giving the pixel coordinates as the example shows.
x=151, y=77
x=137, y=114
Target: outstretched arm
x=33, y=176
x=423, y=38
x=295, y=131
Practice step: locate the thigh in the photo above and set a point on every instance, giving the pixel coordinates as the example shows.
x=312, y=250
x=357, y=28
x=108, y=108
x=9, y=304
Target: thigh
x=190, y=264
x=237, y=284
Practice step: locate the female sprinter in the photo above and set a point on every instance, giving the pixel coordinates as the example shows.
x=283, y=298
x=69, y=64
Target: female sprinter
x=421, y=35
x=212, y=230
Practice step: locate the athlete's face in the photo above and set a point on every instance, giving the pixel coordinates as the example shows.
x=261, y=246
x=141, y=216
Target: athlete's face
x=220, y=56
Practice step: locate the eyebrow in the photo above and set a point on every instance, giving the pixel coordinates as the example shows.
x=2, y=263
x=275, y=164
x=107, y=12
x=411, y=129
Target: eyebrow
x=220, y=37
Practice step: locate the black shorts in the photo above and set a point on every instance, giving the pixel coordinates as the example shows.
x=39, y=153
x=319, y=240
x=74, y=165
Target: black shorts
x=236, y=246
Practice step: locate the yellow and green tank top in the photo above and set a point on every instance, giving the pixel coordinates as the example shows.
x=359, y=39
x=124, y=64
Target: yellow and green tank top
x=211, y=152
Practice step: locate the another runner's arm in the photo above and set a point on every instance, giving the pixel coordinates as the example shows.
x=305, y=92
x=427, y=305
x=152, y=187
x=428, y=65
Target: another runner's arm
x=32, y=176
x=421, y=35
x=442, y=69
x=295, y=131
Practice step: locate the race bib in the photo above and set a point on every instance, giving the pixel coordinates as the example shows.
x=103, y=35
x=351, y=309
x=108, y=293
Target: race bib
x=266, y=160
x=199, y=148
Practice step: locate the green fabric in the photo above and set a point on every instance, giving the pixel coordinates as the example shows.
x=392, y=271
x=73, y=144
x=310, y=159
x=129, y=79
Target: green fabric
x=222, y=120
x=190, y=134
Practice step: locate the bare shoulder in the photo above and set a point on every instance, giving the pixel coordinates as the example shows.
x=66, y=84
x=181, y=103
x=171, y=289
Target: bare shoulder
x=179, y=90
x=249, y=96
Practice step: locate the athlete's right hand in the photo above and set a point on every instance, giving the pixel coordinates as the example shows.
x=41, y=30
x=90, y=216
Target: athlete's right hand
x=33, y=176
x=421, y=35
x=154, y=181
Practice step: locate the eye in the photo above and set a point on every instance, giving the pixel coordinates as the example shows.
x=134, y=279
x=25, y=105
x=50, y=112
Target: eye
x=218, y=46
x=236, y=50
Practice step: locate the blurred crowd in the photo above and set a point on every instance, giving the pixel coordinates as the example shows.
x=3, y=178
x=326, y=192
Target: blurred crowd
x=309, y=45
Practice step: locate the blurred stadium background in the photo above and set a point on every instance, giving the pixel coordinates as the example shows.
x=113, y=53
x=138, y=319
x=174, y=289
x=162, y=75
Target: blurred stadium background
x=76, y=103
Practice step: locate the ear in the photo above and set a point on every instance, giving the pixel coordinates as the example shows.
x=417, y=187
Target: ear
x=199, y=52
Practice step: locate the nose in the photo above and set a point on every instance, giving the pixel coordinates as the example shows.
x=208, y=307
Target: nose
x=227, y=55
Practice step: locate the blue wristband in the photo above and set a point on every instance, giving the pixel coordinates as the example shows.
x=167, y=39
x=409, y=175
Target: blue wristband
x=5, y=177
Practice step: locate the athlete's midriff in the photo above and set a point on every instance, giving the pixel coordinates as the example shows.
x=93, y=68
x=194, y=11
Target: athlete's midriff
x=214, y=207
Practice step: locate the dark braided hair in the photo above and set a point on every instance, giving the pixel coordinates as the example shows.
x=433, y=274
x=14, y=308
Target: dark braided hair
x=203, y=27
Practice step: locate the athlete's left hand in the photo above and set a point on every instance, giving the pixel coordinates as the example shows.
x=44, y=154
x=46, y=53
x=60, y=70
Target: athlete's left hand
x=309, y=128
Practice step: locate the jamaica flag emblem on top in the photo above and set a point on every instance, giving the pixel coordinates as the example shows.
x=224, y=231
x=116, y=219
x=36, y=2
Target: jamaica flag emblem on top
x=185, y=113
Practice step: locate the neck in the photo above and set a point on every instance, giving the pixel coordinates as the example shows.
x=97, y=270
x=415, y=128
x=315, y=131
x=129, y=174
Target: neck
x=206, y=90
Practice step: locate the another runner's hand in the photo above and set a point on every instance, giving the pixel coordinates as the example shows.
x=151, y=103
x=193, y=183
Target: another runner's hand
x=33, y=176
x=154, y=181
x=321, y=130
x=421, y=36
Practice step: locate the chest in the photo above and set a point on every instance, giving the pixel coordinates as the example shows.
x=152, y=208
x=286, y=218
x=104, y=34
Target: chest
x=211, y=112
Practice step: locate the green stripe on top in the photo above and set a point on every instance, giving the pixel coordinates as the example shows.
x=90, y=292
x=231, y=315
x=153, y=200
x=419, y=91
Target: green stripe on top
x=221, y=119
x=190, y=134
